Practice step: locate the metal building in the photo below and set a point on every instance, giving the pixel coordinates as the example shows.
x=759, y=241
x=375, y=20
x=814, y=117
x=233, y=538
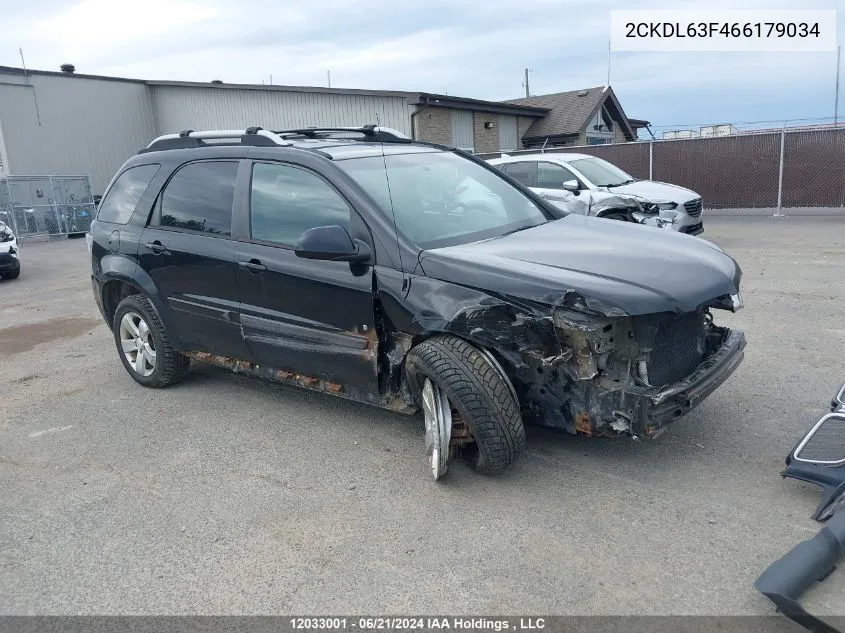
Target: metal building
x=66, y=123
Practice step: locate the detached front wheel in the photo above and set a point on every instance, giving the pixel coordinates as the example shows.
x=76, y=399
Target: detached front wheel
x=469, y=405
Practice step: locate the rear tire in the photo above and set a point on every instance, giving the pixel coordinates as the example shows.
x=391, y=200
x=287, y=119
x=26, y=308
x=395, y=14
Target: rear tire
x=478, y=391
x=154, y=363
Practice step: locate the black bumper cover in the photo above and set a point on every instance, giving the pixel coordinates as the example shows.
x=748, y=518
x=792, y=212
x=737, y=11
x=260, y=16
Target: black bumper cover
x=810, y=561
x=8, y=263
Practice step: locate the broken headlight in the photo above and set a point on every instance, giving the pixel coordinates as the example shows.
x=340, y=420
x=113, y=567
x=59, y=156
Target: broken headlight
x=666, y=206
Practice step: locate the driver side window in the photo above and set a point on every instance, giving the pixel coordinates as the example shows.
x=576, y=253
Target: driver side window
x=286, y=201
x=552, y=175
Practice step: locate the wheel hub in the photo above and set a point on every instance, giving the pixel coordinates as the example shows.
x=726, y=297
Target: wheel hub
x=438, y=427
x=137, y=344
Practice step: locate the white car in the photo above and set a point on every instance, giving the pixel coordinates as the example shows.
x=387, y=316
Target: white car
x=580, y=183
x=10, y=263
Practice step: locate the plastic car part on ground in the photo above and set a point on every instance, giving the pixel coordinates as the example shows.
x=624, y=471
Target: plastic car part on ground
x=818, y=458
x=810, y=561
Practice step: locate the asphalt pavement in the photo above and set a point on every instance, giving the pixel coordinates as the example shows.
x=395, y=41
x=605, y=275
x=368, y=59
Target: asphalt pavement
x=225, y=495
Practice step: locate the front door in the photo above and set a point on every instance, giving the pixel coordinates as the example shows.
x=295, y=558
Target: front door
x=308, y=317
x=550, y=179
x=188, y=252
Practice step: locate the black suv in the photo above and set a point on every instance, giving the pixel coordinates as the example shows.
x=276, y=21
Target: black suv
x=408, y=276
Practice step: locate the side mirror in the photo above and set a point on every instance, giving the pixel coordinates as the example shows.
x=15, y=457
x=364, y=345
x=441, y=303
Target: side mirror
x=571, y=185
x=331, y=243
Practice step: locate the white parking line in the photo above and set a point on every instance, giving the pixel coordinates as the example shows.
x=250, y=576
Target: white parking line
x=55, y=429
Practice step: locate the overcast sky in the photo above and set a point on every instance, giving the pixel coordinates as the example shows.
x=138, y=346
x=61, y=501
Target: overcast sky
x=472, y=48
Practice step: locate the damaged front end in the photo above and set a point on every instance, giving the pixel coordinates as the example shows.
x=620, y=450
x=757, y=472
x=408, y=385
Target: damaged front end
x=630, y=374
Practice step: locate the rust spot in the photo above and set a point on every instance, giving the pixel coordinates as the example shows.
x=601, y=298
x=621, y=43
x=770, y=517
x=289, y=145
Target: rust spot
x=461, y=435
x=391, y=400
x=583, y=423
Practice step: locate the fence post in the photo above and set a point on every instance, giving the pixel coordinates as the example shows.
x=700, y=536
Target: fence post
x=778, y=213
x=651, y=159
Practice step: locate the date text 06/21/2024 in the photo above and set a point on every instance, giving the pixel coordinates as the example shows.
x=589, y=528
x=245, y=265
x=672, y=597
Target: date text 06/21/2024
x=458, y=623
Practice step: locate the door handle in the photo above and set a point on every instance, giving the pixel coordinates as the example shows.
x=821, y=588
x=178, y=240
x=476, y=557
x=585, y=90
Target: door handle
x=254, y=266
x=157, y=247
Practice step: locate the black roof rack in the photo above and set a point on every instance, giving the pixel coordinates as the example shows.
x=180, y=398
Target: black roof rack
x=373, y=133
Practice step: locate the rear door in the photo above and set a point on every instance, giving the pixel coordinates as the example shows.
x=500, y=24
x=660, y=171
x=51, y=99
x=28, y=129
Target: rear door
x=308, y=317
x=524, y=172
x=188, y=252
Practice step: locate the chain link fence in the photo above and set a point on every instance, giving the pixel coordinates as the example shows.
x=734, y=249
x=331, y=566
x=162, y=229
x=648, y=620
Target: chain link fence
x=46, y=205
x=772, y=169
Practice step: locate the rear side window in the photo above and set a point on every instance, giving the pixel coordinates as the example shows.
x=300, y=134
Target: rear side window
x=199, y=198
x=287, y=201
x=524, y=173
x=125, y=194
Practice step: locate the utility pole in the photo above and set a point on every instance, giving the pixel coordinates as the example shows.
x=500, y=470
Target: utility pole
x=527, y=90
x=329, y=77
x=836, y=98
x=608, y=63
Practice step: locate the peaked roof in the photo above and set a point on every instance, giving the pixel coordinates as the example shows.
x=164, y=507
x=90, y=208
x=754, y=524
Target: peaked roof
x=570, y=111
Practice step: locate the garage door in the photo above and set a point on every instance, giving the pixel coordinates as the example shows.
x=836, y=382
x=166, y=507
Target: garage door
x=508, y=137
x=462, y=136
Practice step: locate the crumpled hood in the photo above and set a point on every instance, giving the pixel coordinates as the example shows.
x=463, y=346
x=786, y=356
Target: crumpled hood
x=655, y=191
x=619, y=267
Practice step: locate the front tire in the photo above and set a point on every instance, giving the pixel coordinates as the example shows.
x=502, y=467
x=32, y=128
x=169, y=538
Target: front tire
x=144, y=345
x=14, y=274
x=477, y=391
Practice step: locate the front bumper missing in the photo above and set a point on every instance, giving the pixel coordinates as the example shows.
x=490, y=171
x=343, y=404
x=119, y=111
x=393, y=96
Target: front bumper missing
x=649, y=410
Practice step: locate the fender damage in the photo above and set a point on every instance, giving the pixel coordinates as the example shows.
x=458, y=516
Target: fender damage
x=592, y=352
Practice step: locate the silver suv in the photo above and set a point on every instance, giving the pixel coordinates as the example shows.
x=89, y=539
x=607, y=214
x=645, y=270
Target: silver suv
x=580, y=183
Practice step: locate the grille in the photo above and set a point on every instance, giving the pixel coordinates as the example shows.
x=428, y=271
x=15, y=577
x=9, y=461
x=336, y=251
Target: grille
x=827, y=444
x=694, y=207
x=678, y=348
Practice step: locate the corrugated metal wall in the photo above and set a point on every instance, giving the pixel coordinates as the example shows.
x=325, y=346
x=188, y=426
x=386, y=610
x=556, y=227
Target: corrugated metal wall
x=200, y=108
x=73, y=126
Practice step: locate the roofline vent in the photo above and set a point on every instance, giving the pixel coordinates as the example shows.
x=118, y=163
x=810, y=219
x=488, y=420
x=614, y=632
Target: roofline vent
x=68, y=69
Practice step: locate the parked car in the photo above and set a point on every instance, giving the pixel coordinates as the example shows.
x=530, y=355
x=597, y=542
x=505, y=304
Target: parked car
x=580, y=183
x=10, y=262
x=346, y=265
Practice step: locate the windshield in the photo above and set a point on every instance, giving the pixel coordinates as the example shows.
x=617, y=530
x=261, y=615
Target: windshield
x=601, y=173
x=442, y=198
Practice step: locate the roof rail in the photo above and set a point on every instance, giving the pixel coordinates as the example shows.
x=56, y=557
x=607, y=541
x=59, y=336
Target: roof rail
x=189, y=138
x=369, y=132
